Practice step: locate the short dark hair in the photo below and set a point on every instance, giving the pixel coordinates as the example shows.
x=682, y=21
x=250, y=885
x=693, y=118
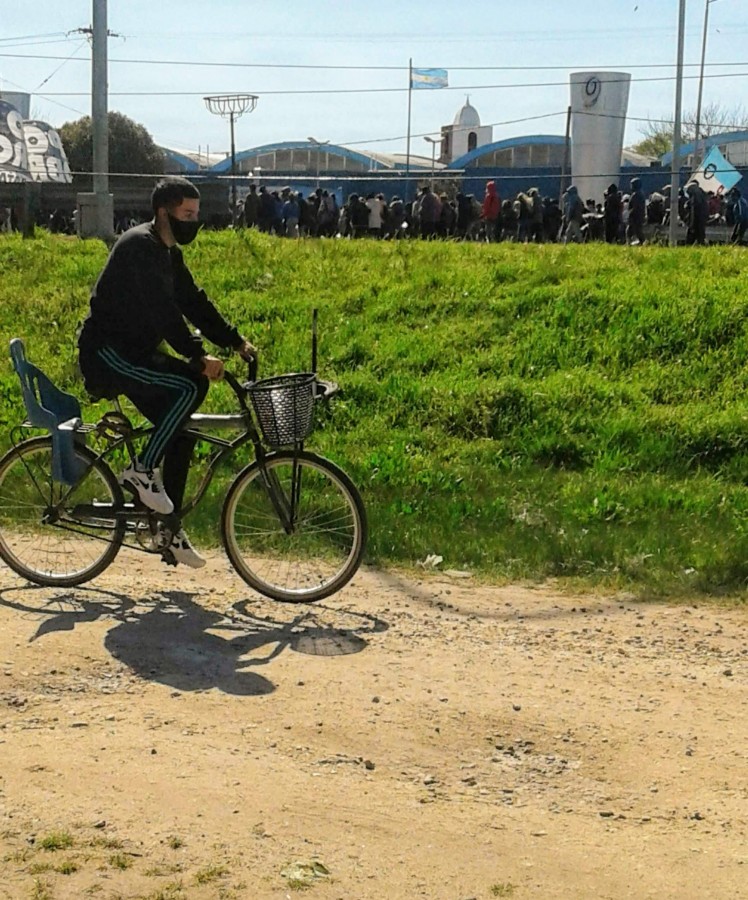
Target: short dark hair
x=171, y=191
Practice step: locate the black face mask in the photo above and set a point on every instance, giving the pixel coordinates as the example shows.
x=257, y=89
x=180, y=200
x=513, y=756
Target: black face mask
x=184, y=232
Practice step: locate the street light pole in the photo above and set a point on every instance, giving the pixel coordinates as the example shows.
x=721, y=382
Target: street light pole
x=233, y=169
x=675, y=174
x=231, y=106
x=100, y=120
x=433, y=142
x=318, y=144
x=697, y=135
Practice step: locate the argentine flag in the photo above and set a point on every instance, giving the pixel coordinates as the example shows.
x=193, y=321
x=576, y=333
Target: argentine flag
x=428, y=78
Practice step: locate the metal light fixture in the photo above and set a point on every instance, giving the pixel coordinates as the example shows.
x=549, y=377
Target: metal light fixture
x=231, y=107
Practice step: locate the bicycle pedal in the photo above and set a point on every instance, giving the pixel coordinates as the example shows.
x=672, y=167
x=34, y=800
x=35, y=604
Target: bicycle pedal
x=168, y=557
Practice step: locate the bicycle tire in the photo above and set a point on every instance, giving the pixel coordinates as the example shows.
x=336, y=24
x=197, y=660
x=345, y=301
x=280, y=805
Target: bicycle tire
x=327, y=544
x=65, y=552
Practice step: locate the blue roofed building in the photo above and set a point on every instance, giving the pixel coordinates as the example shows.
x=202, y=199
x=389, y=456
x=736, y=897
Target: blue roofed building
x=468, y=157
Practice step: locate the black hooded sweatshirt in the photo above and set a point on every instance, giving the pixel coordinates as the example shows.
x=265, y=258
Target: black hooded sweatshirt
x=142, y=297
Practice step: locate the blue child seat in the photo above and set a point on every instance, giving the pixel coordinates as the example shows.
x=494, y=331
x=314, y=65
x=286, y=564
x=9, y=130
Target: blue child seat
x=49, y=407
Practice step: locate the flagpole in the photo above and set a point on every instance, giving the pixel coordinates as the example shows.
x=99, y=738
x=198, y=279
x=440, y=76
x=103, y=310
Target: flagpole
x=407, y=150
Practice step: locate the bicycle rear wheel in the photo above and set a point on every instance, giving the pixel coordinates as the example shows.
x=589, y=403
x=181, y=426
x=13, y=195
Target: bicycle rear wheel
x=40, y=536
x=295, y=527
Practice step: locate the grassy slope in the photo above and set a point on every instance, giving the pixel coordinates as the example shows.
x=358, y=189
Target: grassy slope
x=523, y=411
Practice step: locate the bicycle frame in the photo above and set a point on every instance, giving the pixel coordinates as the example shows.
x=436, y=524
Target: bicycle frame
x=224, y=448
x=285, y=508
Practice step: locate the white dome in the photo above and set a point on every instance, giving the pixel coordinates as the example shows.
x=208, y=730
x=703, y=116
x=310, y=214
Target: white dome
x=467, y=117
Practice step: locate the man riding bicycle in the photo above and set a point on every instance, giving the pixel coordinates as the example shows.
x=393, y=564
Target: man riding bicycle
x=141, y=299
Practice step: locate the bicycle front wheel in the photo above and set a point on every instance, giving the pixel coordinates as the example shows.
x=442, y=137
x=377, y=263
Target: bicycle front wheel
x=294, y=527
x=41, y=536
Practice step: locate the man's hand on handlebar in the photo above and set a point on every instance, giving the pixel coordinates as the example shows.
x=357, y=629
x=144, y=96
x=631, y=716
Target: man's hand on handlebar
x=247, y=351
x=212, y=367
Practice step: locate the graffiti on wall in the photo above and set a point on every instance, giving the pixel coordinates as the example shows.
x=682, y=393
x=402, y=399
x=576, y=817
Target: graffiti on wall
x=13, y=155
x=46, y=155
x=30, y=150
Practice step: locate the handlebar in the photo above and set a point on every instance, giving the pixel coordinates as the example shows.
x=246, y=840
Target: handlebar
x=251, y=368
x=323, y=389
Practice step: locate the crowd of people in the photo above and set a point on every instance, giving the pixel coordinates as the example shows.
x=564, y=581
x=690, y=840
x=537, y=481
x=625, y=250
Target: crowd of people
x=623, y=217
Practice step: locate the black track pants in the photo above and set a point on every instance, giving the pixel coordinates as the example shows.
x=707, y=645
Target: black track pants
x=167, y=391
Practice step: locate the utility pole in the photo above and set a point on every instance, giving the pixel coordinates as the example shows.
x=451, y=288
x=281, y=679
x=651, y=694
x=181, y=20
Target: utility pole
x=96, y=210
x=100, y=121
x=675, y=175
x=697, y=136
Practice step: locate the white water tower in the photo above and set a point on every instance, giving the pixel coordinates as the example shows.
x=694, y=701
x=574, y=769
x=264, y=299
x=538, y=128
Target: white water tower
x=599, y=102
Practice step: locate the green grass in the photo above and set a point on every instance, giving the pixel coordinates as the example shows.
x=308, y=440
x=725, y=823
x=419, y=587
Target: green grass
x=68, y=867
x=525, y=412
x=211, y=872
x=173, y=891
x=56, y=840
x=40, y=890
x=120, y=861
x=503, y=889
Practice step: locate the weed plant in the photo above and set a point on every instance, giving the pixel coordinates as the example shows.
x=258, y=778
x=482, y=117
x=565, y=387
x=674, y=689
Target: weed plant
x=523, y=411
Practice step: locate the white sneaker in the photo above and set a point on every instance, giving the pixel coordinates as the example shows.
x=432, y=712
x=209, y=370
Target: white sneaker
x=150, y=488
x=183, y=551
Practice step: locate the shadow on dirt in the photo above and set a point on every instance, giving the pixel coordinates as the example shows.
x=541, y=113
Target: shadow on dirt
x=172, y=640
x=513, y=608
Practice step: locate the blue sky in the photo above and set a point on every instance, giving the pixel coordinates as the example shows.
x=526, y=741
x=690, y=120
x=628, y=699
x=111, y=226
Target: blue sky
x=550, y=37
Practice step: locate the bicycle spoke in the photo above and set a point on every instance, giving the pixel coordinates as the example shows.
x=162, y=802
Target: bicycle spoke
x=320, y=549
x=62, y=550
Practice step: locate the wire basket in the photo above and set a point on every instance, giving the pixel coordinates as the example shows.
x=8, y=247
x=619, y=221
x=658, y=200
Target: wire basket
x=284, y=406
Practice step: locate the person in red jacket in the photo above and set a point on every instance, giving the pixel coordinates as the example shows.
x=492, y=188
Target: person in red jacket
x=491, y=212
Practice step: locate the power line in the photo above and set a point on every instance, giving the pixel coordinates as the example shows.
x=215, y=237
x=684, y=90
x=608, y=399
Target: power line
x=55, y=71
x=587, y=68
x=404, y=69
x=398, y=90
x=36, y=44
x=375, y=68
x=629, y=118
x=402, y=137
x=551, y=115
x=24, y=37
x=453, y=37
x=498, y=124
x=56, y=37
x=51, y=95
x=25, y=90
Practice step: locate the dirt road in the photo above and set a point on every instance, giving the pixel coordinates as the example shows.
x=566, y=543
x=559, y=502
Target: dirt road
x=171, y=735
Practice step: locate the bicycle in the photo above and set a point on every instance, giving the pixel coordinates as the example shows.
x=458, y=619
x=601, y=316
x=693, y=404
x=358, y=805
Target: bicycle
x=293, y=524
